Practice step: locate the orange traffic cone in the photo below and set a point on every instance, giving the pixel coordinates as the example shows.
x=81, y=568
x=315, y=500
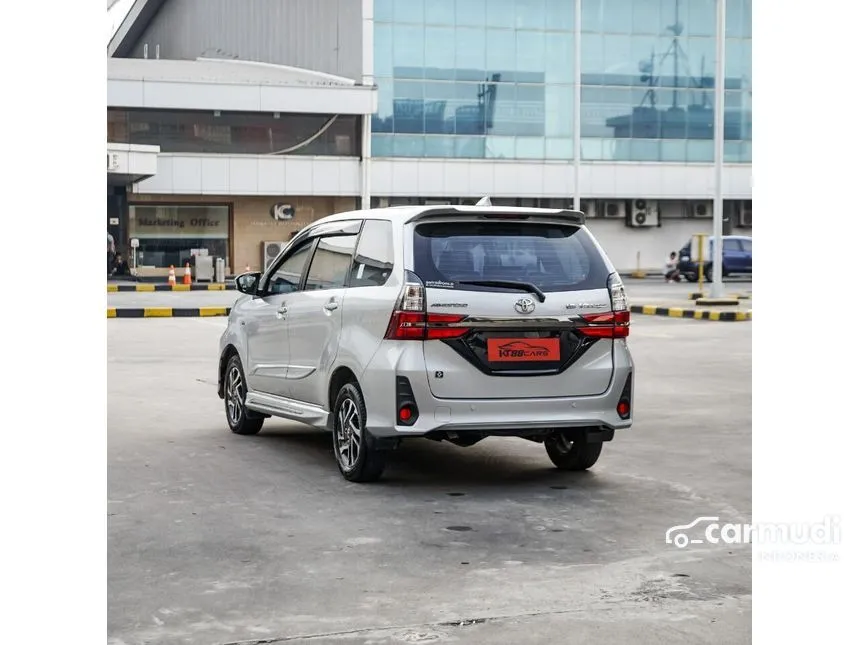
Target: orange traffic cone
x=186, y=279
x=171, y=277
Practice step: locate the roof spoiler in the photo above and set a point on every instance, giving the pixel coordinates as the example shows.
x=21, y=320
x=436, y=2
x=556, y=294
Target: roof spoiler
x=499, y=212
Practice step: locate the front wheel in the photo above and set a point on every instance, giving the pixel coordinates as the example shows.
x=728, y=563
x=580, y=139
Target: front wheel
x=235, y=391
x=572, y=455
x=354, y=451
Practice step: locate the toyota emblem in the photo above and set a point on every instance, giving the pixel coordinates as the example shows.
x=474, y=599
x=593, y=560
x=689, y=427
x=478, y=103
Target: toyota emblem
x=524, y=305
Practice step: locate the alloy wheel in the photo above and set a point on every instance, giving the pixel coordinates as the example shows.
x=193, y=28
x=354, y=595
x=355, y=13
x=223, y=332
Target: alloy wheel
x=235, y=396
x=348, y=435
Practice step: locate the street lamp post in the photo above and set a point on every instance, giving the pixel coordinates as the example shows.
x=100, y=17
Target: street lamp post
x=719, y=126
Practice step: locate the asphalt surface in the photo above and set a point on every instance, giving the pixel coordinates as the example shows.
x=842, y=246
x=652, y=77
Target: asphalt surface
x=639, y=291
x=215, y=538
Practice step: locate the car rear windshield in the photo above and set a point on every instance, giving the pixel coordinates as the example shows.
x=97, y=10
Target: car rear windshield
x=554, y=257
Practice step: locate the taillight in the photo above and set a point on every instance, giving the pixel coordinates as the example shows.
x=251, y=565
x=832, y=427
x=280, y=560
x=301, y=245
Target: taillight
x=611, y=324
x=410, y=321
x=614, y=324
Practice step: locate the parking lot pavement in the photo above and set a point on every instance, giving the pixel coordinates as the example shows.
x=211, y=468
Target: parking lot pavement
x=217, y=538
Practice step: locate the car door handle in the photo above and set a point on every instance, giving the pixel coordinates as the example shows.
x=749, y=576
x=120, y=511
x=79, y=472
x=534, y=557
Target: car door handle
x=330, y=306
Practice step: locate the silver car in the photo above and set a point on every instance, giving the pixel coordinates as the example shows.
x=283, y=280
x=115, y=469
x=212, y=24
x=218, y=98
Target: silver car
x=450, y=323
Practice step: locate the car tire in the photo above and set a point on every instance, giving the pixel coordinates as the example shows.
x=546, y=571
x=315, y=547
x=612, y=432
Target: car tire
x=692, y=277
x=357, y=458
x=240, y=420
x=709, y=273
x=572, y=455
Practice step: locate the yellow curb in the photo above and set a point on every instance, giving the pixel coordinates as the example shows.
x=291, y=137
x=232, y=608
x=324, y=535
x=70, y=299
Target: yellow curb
x=112, y=288
x=676, y=312
x=158, y=312
x=213, y=311
x=111, y=312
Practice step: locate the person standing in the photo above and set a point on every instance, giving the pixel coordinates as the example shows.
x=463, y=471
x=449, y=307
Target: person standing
x=111, y=253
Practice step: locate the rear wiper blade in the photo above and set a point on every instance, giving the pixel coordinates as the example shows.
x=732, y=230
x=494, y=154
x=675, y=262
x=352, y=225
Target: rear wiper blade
x=510, y=284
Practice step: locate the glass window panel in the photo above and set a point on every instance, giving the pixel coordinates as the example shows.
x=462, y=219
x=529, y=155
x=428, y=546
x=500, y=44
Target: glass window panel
x=592, y=149
x=502, y=147
x=560, y=14
x=408, y=146
x=559, y=110
x=501, y=54
x=646, y=59
x=734, y=18
x=470, y=52
x=617, y=62
x=700, y=114
x=439, y=54
x=734, y=61
x=701, y=18
x=673, y=150
x=331, y=262
x=383, y=120
x=672, y=105
x=672, y=12
x=530, y=148
x=646, y=17
x=531, y=110
x=382, y=50
x=732, y=152
x=470, y=113
x=502, y=119
x=411, y=11
x=409, y=107
x=559, y=148
x=469, y=147
x=530, y=14
x=618, y=16
x=440, y=12
x=440, y=105
x=700, y=151
x=700, y=67
x=644, y=150
x=288, y=276
x=374, y=257
x=470, y=12
x=616, y=149
x=746, y=19
x=747, y=64
x=439, y=146
x=383, y=10
x=559, y=57
x=592, y=59
x=408, y=51
x=592, y=16
x=606, y=112
x=531, y=50
x=502, y=13
x=382, y=145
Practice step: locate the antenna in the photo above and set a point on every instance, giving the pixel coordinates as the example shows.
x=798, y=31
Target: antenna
x=484, y=201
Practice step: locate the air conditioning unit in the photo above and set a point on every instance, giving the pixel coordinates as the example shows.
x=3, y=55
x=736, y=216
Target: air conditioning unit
x=700, y=210
x=614, y=209
x=745, y=214
x=271, y=250
x=645, y=212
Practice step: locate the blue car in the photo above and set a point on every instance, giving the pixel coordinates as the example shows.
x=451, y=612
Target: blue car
x=737, y=258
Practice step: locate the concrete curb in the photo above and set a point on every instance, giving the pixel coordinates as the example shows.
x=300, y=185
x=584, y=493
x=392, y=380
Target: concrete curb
x=697, y=314
x=740, y=296
x=117, y=288
x=166, y=312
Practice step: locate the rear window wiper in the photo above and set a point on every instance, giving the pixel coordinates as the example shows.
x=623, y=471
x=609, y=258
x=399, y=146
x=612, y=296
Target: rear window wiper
x=510, y=284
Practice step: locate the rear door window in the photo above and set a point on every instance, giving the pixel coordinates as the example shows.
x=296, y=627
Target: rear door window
x=554, y=257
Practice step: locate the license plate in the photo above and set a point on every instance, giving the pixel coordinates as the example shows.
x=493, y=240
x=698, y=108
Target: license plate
x=505, y=350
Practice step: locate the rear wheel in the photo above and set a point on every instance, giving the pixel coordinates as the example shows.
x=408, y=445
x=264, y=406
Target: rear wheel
x=569, y=454
x=709, y=273
x=354, y=451
x=235, y=391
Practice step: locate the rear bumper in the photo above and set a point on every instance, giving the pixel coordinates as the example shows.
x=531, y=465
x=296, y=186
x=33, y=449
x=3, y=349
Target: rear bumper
x=521, y=416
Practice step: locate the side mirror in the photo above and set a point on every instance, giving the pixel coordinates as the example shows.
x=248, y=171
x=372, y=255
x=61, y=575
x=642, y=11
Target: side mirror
x=248, y=282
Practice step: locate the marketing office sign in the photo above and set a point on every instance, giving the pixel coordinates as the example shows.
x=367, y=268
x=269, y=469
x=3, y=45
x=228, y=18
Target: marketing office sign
x=176, y=222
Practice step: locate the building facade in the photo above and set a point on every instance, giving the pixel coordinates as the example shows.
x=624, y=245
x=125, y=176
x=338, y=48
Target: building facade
x=609, y=103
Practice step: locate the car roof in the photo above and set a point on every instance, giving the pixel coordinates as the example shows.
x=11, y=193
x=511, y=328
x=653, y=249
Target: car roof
x=402, y=214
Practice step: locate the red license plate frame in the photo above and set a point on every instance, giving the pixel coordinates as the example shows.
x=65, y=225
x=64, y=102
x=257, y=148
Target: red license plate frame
x=522, y=350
